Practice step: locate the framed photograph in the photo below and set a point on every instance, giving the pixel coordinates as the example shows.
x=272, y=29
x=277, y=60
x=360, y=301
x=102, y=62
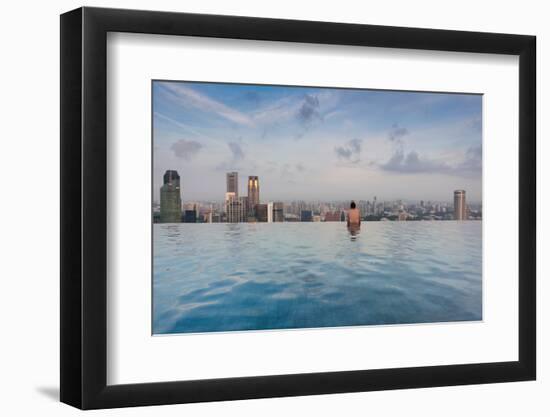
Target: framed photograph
x=257, y=208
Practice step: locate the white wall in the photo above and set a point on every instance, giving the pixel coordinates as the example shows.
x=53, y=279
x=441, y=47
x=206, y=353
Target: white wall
x=29, y=100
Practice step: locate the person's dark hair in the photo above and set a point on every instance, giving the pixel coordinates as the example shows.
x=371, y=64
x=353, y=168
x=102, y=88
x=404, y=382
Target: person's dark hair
x=352, y=205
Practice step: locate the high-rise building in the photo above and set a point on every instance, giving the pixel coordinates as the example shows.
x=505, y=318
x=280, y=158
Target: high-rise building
x=270, y=212
x=253, y=192
x=306, y=216
x=190, y=216
x=170, y=198
x=232, y=179
x=243, y=201
x=261, y=213
x=233, y=208
x=460, y=205
x=278, y=211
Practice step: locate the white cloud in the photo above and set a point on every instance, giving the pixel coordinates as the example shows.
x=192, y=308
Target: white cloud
x=179, y=124
x=186, y=95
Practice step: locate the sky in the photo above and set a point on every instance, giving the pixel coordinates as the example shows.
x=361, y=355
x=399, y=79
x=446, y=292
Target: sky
x=317, y=144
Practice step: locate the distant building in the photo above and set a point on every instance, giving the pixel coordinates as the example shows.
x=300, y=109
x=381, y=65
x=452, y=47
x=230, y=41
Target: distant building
x=232, y=179
x=270, y=212
x=289, y=217
x=170, y=198
x=253, y=192
x=243, y=209
x=306, y=216
x=332, y=216
x=190, y=216
x=261, y=212
x=233, y=209
x=460, y=205
x=278, y=212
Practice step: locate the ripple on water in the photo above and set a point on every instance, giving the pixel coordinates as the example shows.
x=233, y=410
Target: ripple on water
x=222, y=277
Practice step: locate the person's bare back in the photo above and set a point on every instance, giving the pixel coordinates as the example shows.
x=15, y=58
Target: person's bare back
x=354, y=215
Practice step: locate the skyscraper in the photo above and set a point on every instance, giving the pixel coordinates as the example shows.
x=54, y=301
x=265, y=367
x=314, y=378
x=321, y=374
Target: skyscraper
x=460, y=205
x=170, y=198
x=232, y=179
x=243, y=216
x=261, y=212
x=232, y=208
x=270, y=212
x=253, y=191
x=278, y=212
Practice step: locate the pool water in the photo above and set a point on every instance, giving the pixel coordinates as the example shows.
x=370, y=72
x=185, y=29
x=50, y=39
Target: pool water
x=258, y=276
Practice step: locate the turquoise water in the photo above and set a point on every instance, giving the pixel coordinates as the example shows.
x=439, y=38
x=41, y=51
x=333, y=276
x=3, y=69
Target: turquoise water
x=223, y=277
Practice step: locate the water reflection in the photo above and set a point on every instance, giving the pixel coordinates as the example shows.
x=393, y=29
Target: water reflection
x=222, y=277
x=354, y=230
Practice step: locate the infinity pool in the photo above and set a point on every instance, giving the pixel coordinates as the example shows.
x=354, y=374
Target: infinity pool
x=226, y=277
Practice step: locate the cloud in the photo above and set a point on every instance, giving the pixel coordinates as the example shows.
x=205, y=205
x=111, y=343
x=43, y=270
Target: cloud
x=186, y=149
x=472, y=163
x=236, y=160
x=475, y=124
x=308, y=114
x=397, y=132
x=276, y=111
x=252, y=96
x=188, y=96
x=332, y=114
x=349, y=152
x=236, y=151
x=179, y=124
x=309, y=111
x=413, y=163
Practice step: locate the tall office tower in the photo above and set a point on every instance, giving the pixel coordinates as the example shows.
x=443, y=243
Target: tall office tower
x=253, y=192
x=278, y=211
x=232, y=208
x=232, y=179
x=460, y=205
x=170, y=198
x=243, y=209
x=261, y=213
x=270, y=212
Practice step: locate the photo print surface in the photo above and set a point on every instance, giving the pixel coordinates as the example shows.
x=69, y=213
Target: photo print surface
x=291, y=207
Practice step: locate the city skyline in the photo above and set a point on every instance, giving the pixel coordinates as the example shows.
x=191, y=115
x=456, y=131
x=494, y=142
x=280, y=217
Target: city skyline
x=242, y=184
x=316, y=143
x=252, y=208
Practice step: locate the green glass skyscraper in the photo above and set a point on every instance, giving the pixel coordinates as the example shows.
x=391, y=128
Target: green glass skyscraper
x=170, y=198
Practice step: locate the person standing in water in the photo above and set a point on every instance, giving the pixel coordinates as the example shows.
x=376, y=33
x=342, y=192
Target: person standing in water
x=354, y=216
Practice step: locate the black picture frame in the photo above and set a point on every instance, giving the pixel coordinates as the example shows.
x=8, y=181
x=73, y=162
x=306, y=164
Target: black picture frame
x=84, y=207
